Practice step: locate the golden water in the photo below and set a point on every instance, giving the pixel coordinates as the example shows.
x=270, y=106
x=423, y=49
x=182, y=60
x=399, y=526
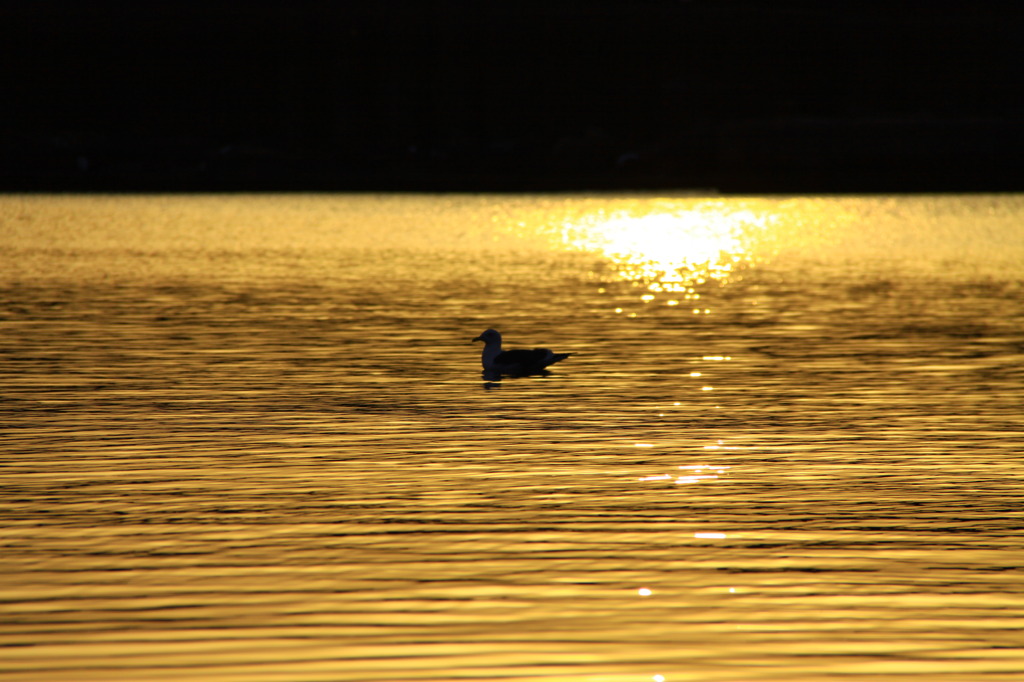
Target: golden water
x=246, y=438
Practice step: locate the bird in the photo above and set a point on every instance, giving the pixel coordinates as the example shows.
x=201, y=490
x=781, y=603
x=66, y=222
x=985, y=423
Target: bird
x=515, y=363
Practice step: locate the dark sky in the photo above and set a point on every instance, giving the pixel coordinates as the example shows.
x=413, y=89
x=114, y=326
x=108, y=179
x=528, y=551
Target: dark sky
x=746, y=96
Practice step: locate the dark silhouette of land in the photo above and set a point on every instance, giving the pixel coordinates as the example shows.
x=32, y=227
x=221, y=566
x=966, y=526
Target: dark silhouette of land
x=459, y=95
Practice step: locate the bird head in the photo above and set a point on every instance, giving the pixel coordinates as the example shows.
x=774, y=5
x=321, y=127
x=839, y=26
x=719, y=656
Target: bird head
x=489, y=336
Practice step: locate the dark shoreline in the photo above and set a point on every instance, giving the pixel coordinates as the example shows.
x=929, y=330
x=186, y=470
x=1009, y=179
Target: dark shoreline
x=793, y=96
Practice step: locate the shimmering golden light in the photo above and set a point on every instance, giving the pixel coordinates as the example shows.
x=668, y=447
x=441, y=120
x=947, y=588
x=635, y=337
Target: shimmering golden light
x=700, y=473
x=670, y=246
x=694, y=474
x=657, y=235
x=694, y=479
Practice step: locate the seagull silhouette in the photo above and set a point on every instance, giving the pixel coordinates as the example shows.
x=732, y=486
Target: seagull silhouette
x=515, y=363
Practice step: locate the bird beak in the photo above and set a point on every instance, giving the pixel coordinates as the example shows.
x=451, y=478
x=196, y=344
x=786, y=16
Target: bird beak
x=478, y=339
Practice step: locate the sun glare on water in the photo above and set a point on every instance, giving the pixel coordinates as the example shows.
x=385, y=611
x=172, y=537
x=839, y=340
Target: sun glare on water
x=670, y=250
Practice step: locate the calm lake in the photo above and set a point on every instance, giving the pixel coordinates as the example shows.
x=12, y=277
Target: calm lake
x=246, y=438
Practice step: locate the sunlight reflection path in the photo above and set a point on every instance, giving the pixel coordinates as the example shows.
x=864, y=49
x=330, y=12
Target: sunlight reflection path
x=671, y=249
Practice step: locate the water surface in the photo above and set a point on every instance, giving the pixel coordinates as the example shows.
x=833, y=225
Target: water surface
x=247, y=438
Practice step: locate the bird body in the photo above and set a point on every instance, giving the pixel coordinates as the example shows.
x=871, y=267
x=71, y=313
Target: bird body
x=514, y=362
